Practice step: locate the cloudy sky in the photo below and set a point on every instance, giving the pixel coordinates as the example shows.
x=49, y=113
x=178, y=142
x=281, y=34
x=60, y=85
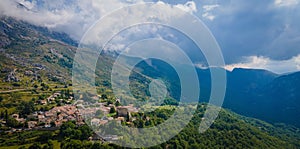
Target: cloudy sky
x=252, y=34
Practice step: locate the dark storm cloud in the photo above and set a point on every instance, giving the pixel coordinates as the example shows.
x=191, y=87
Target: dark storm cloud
x=261, y=28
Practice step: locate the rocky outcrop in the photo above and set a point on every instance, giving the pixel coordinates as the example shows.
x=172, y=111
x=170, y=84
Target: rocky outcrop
x=12, y=77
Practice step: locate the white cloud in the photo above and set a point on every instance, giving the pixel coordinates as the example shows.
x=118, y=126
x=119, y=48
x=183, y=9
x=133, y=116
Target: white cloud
x=208, y=16
x=210, y=7
x=73, y=17
x=157, y=12
x=27, y=4
x=189, y=6
x=201, y=66
x=281, y=3
x=259, y=62
x=207, y=11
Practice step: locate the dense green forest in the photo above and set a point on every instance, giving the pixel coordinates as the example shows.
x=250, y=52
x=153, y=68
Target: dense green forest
x=229, y=129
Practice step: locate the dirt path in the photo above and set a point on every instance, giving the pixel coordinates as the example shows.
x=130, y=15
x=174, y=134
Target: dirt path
x=15, y=90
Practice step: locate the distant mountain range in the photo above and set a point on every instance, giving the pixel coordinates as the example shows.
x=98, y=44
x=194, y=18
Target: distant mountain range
x=264, y=95
x=250, y=92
